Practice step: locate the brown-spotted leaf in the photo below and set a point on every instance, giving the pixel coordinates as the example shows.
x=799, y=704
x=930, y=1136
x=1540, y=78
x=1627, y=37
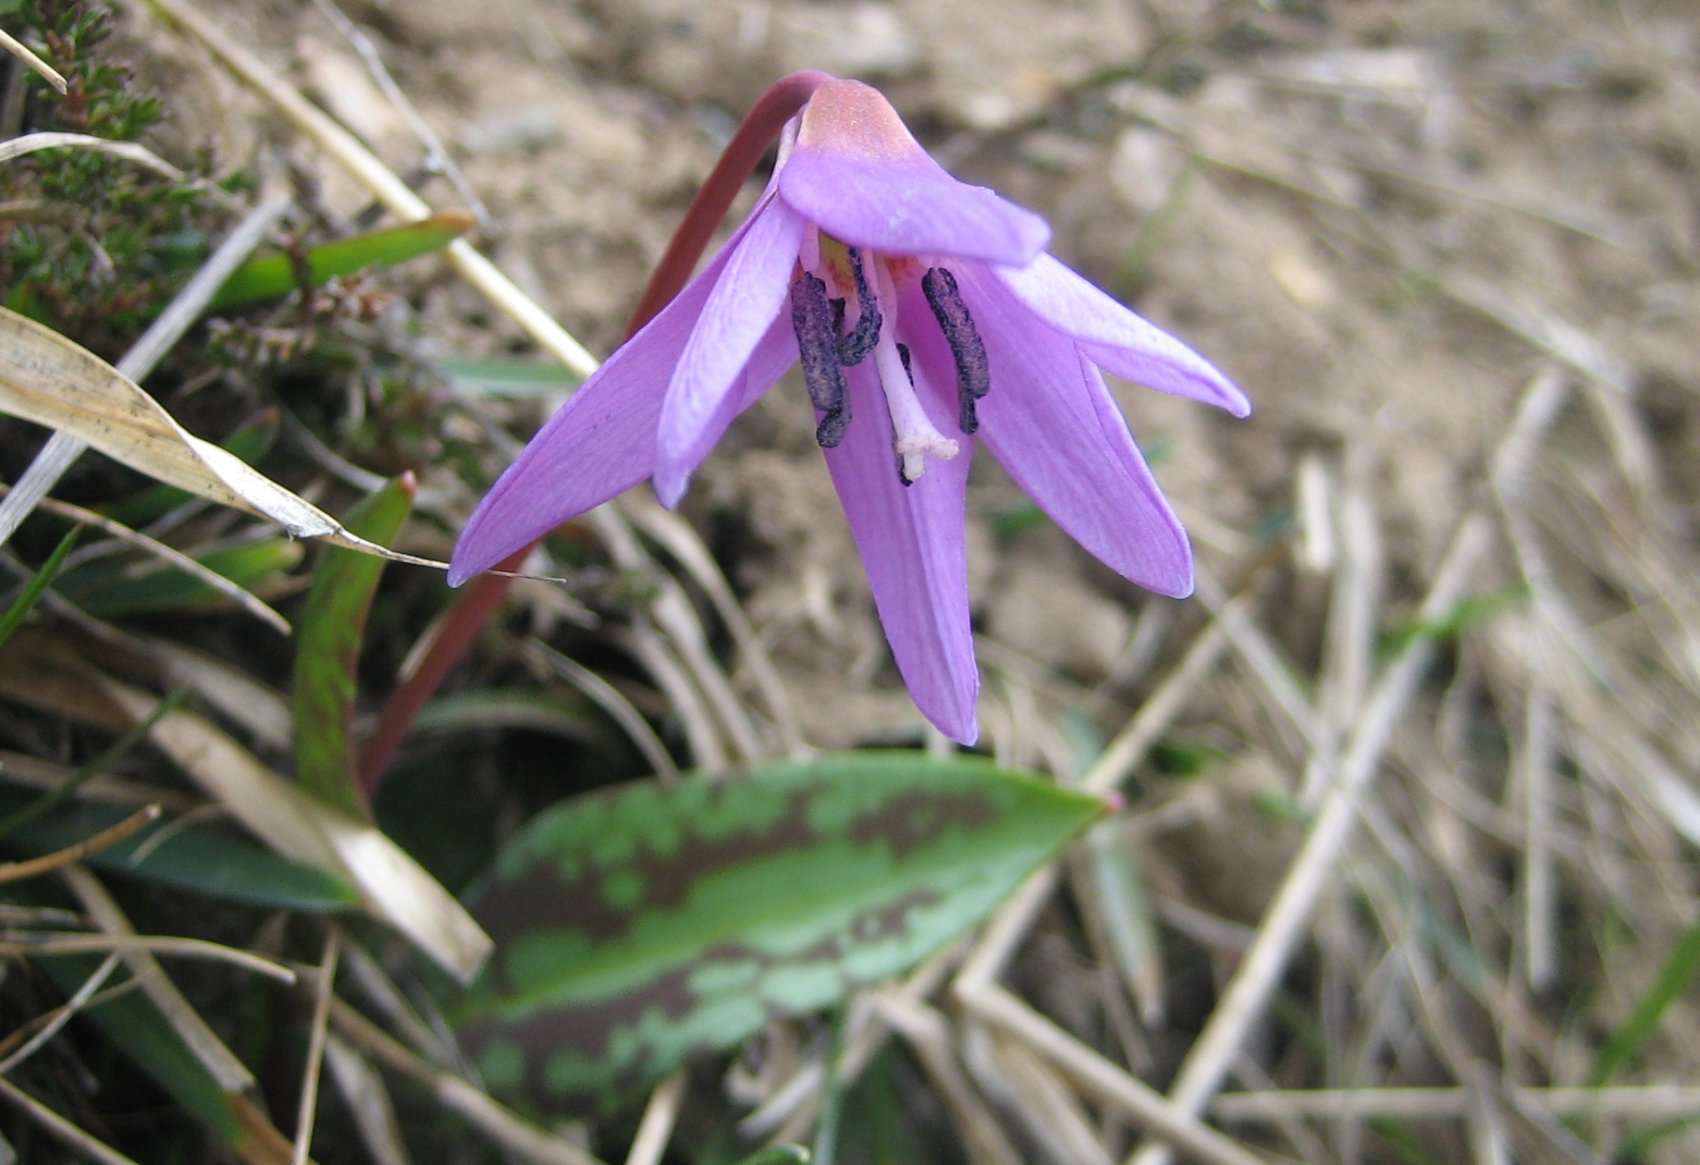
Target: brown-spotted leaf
x=638, y=926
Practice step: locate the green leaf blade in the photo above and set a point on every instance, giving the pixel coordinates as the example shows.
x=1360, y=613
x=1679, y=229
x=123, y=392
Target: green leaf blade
x=637, y=927
x=205, y=858
x=327, y=650
x=275, y=276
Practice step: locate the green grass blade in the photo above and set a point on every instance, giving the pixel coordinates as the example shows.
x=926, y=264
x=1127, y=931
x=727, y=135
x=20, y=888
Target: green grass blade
x=114, y=588
x=275, y=276
x=24, y=814
x=637, y=926
x=132, y=1023
x=37, y=586
x=205, y=858
x=327, y=648
x=496, y=376
x=1674, y=982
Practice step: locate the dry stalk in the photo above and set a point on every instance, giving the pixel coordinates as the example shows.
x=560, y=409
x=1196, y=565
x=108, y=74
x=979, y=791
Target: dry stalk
x=500, y=1123
x=56, y=1019
x=63, y=1130
x=323, y=990
x=105, y=839
x=1312, y=870
x=379, y=180
x=125, y=943
x=30, y=58
x=1146, y=1108
x=660, y=1116
x=219, y=1061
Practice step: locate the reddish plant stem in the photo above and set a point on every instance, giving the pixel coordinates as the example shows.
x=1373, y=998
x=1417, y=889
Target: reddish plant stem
x=484, y=594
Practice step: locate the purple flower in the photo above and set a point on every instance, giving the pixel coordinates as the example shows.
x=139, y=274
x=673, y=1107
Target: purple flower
x=927, y=318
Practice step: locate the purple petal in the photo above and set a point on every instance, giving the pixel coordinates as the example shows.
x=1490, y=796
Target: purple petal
x=741, y=309
x=857, y=173
x=912, y=545
x=1116, y=339
x=1051, y=422
x=600, y=443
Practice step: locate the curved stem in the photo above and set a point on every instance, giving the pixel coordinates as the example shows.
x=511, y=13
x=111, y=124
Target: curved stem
x=737, y=162
x=484, y=594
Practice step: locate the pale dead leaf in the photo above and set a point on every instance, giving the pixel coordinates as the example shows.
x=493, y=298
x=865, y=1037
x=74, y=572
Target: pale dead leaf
x=47, y=379
x=292, y=821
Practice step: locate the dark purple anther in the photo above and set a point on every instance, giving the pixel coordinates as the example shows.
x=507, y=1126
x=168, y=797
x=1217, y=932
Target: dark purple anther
x=973, y=373
x=817, y=345
x=860, y=341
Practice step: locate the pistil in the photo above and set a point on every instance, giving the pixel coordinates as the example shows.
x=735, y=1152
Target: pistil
x=916, y=438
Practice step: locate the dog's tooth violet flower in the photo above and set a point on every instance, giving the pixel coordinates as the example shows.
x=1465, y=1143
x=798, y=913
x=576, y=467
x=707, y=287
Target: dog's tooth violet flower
x=927, y=318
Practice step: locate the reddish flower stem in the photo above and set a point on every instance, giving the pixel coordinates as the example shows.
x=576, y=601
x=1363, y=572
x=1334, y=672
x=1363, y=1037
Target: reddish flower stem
x=484, y=594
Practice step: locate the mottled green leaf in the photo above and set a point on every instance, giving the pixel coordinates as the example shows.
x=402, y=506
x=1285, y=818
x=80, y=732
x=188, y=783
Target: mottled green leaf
x=639, y=925
x=327, y=647
x=275, y=276
x=206, y=858
x=115, y=588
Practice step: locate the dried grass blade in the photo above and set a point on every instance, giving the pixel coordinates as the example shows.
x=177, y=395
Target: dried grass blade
x=162, y=335
x=30, y=143
x=46, y=378
x=294, y=823
x=232, y=1075
x=380, y=180
x=29, y=57
x=57, y=1126
x=503, y=1126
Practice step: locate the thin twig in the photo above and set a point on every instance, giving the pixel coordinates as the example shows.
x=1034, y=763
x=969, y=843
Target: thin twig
x=660, y=1115
x=607, y=697
x=64, y=1130
x=1312, y=870
x=324, y=987
x=29, y=57
x=503, y=1125
x=437, y=156
x=1140, y=1103
x=61, y=1015
x=105, y=839
x=230, y=1073
x=36, y=945
x=130, y=151
x=1645, y=1102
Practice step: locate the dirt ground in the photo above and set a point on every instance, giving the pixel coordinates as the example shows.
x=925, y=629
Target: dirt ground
x=1449, y=250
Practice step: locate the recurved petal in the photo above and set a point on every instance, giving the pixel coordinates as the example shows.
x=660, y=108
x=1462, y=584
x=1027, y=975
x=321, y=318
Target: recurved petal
x=1115, y=338
x=1051, y=422
x=600, y=443
x=912, y=544
x=857, y=173
x=908, y=206
x=746, y=299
